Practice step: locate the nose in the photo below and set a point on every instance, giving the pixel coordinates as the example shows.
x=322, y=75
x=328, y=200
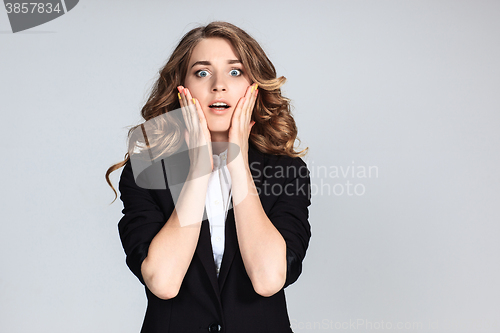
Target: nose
x=219, y=84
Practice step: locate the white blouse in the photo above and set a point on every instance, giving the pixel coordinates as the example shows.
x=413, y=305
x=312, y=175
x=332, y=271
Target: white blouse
x=217, y=204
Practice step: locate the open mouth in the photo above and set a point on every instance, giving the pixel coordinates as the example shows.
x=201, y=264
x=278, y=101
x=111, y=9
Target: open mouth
x=219, y=106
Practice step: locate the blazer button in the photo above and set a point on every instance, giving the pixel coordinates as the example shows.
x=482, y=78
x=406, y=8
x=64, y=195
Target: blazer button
x=215, y=327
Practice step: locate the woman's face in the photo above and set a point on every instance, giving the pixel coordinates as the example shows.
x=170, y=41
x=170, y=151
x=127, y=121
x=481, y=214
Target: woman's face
x=216, y=75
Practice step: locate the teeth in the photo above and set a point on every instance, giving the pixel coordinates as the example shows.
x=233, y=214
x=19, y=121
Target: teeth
x=219, y=104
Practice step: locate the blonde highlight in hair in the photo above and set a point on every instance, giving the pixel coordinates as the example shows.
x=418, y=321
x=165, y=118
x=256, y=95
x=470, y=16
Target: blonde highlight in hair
x=274, y=131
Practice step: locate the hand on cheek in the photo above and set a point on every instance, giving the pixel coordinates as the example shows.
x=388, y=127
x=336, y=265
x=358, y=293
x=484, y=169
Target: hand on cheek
x=197, y=135
x=241, y=125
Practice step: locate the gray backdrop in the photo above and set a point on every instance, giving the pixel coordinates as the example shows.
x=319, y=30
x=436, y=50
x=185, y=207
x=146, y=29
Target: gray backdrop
x=408, y=90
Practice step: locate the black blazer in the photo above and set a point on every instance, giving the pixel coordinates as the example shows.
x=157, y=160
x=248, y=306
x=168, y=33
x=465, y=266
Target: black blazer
x=228, y=303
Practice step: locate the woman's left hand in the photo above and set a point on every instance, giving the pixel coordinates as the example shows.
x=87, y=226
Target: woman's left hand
x=239, y=132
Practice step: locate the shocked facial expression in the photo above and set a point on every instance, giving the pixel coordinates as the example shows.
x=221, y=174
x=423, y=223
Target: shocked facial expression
x=217, y=79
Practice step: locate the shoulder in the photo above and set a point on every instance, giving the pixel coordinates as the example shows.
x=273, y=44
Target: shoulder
x=156, y=174
x=143, y=173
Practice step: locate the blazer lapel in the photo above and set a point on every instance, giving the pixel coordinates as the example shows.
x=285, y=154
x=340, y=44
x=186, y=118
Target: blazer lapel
x=176, y=168
x=204, y=248
x=255, y=160
x=205, y=252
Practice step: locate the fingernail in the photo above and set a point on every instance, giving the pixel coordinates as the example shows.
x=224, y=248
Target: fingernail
x=256, y=86
x=194, y=101
x=253, y=87
x=179, y=94
x=179, y=88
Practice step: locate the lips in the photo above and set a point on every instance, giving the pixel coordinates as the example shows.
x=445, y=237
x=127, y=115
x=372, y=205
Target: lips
x=219, y=106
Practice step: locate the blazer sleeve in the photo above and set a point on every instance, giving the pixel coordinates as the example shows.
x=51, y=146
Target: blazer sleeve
x=290, y=215
x=142, y=219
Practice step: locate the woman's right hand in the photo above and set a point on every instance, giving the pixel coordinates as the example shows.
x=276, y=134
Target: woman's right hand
x=197, y=135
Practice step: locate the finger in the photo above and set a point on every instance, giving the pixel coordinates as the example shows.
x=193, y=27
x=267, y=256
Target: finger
x=179, y=94
x=251, y=97
x=235, y=120
x=254, y=96
x=185, y=111
x=192, y=109
x=203, y=120
x=251, y=105
x=200, y=113
x=248, y=95
x=250, y=128
x=254, y=102
x=244, y=119
x=204, y=128
x=249, y=90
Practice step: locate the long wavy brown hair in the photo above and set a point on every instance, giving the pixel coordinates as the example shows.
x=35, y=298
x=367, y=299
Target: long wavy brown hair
x=274, y=131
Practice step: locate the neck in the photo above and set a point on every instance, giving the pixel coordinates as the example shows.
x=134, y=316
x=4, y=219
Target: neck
x=218, y=147
x=219, y=136
x=219, y=141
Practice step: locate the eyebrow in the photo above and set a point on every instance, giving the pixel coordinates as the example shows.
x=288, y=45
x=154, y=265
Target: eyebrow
x=207, y=63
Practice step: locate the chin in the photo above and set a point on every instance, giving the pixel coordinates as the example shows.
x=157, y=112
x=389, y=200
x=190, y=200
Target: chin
x=219, y=134
x=218, y=128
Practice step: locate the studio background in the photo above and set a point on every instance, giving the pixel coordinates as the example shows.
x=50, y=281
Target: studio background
x=406, y=89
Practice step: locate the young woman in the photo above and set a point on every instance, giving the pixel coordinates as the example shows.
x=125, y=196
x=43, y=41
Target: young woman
x=216, y=224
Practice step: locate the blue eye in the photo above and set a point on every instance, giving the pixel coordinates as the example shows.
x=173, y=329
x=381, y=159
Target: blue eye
x=238, y=72
x=200, y=73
